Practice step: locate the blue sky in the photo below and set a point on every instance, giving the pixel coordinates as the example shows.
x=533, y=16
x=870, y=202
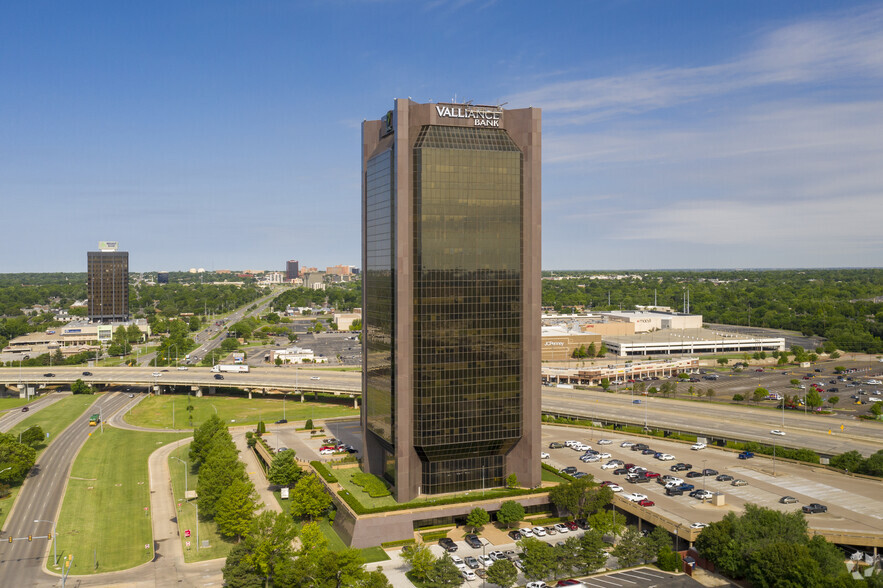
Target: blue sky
x=226, y=134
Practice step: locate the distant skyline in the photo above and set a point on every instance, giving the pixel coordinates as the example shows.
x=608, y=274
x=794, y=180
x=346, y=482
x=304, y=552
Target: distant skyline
x=226, y=135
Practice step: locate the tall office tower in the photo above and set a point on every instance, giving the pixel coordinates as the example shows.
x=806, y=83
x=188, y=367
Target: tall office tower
x=108, y=283
x=451, y=297
x=291, y=268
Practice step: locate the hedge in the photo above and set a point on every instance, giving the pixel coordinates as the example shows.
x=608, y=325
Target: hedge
x=434, y=536
x=373, y=485
x=358, y=508
x=399, y=543
x=323, y=471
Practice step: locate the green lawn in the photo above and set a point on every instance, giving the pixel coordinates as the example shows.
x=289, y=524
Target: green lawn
x=218, y=546
x=552, y=477
x=7, y=403
x=6, y=503
x=57, y=416
x=103, y=521
x=156, y=411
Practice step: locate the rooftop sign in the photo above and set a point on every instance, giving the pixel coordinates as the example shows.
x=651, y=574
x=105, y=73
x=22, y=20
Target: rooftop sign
x=484, y=116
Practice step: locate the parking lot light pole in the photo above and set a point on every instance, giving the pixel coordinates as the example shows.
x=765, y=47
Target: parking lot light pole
x=703, y=479
x=54, y=539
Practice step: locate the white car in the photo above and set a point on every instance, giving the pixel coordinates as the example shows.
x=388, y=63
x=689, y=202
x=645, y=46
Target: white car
x=698, y=525
x=544, y=455
x=615, y=487
x=526, y=532
x=698, y=446
x=539, y=531
x=612, y=465
x=637, y=469
x=468, y=574
x=626, y=444
x=589, y=458
x=539, y=584
x=777, y=432
x=314, y=377
x=458, y=561
x=326, y=452
x=157, y=374
x=605, y=442
x=604, y=455
x=581, y=447
x=561, y=528
x=182, y=368
x=666, y=457
x=571, y=443
x=635, y=497
x=485, y=560
x=673, y=483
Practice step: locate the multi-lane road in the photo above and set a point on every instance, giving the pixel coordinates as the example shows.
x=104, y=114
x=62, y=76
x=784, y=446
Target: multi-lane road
x=40, y=498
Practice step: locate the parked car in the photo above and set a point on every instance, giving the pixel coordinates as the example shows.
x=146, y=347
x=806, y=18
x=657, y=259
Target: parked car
x=635, y=497
x=281, y=421
x=612, y=464
x=701, y=494
x=739, y=482
x=526, y=532
x=724, y=478
x=646, y=502
x=473, y=541
x=556, y=445
x=615, y=488
x=674, y=491
x=447, y=544
x=648, y=452
x=468, y=575
x=562, y=528
x=579, y=475
x=472, y=562
x=485, y=560
x=746, y=455
x=620, y=471
x=569, y=470
x=572, y=525
x=788, y=500
x=698, y=525
x=539, y=531
x=686, y=487
x=698, y=446
x=694, y=474
x=515, y=535
x=582, y=524
x=814, y=507
x=604, y=442
x=681, y=467
x=665, y=457
x=709, y=472
x=544, y=455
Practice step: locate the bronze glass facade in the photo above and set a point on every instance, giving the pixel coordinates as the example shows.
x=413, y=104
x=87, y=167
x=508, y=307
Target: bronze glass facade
x=108, y=285
x=451, y=298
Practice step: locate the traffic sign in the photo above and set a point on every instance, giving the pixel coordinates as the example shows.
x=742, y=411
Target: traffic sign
x=187, y=533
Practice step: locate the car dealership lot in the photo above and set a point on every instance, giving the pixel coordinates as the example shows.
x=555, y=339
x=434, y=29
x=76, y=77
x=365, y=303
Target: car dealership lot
x=854, y=504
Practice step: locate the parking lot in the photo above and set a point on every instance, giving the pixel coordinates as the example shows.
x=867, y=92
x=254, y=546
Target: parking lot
x=854, y=504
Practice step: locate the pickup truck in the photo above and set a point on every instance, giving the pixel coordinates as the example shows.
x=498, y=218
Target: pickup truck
x=814, y=507
x=686, y=487
x=746, y=455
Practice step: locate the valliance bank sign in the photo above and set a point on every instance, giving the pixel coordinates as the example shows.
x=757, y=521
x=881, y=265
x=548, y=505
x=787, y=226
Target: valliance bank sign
x=484, y=116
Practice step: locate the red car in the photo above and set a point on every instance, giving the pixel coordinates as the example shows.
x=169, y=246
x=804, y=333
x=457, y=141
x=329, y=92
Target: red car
x=331, y=447
x=651, y=475
x=572, y=525
x=646, y=502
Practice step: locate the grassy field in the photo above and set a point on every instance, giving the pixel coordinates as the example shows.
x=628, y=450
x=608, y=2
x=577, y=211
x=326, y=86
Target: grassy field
x=57, y=416
x=103, y=520
x=156, y=411
x=7, y=403
x=208, y=530
x=6, y=503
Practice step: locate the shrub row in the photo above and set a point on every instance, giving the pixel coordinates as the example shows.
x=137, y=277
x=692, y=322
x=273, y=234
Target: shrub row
x=434, y=536
x=358, y=508
x=399, y=543
x=323, y=471
x=373, y=485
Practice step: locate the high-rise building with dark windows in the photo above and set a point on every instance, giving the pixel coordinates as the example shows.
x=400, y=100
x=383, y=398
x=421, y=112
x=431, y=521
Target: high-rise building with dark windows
x=107, y=283
x=451, y=297
x=291, y=269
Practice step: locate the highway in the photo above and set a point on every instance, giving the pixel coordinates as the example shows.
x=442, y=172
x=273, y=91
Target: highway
x=14, y=416
x=40, y=498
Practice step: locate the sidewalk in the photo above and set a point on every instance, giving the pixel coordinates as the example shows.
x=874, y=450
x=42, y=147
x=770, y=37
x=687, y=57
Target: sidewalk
x=255, y=473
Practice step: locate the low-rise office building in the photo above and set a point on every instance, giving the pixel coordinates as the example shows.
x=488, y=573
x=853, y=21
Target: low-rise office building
x=689, y=341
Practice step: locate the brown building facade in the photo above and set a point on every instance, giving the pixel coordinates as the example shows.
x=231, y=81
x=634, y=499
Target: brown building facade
x=451, y=297
x=107, y=285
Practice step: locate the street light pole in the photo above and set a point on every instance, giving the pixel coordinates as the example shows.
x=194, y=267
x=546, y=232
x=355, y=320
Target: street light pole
x=185, y=473
x=703, y=477
x=54, y=539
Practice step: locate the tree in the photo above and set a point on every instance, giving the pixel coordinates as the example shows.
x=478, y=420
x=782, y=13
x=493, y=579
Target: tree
x=229, y=344
x=592, y=551
x=512, y=481
x=539, y=558
x=580, y=497
x=591, y=351
x=33, y=436
x=133, y=333
x=832, y=400
x=309, y=498
x=238, y=571
x=813, y=399
x=605, y=383
x=709, y=393
x=668, y=560
x=217, y=473
x=202, y=436
x=794, y=382
x=268, y=543
x=421, y=560
x=873, y=466
x=503, y=573
x=602, y=351
x=308, y=424
x=284, y=471
x=607, y=521
x=783, y=564
x=723, y=361
x=657, y=540
x=445, y=573
x=510, y=512
x=759, y=394
x=738, y=398
x=81, y=387
x=630, y=548
x=18, y=457
x=477, y=519
x=235, y=508
x=317, y=566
